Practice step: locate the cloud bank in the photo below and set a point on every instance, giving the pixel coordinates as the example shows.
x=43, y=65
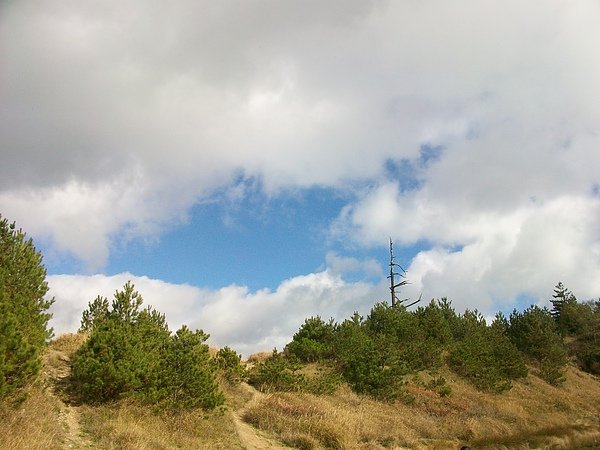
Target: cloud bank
x=470, y=128
x=247, y=321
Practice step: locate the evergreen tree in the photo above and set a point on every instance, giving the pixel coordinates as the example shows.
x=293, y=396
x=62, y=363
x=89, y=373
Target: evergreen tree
x=230, y=365
x=367, y=352
x=188, y=378
x=434, y=322
x=561, y=298
x=131, y=353
x=123, y=355
x=450, y=316
x=96, y=312
x=485, y=355
x=534, y=332
x=278, y=373
x=313, y=340
x=488, y=359
x=23, y=308
x=581, y=322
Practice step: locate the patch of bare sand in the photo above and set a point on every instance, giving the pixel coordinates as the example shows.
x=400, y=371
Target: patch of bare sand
x=251, y=438
x=57, y=368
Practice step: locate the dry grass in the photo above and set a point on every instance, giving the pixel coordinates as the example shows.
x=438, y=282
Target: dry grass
x=127, y=426
x=260, y=357
x=531, y=415
x=31, y=424
x=69, y=343
x=36, y=419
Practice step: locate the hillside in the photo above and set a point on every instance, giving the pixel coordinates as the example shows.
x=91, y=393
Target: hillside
x=533, y=414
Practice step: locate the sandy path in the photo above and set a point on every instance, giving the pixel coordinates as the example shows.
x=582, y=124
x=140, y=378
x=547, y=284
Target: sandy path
x=57, y=367
x=251, y=438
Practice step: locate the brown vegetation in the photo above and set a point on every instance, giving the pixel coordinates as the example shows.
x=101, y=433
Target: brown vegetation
x=533, y=414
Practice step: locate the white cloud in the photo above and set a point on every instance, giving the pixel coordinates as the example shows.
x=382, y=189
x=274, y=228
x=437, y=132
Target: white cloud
x=337, y=264
x=117, y=117
x=87, y=220
x=486, y=258
x=246, y=321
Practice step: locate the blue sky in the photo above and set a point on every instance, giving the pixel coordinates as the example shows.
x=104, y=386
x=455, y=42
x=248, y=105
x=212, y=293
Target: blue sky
x=257, y=243
x=245, y=163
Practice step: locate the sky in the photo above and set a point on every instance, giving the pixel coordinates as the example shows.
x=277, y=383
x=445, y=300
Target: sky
x=245, y=163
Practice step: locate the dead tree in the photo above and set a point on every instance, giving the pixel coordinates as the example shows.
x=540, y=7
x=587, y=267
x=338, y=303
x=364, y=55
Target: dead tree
x=393, y=284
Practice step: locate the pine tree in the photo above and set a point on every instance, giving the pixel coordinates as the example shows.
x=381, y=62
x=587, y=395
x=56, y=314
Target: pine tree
x=561, y=298
x=23, y=308
x=485, y=355
x=96, y=312
x=188, y=377
x=131, y=353
x=312, y=342
x=123, y=355
x=534, y=332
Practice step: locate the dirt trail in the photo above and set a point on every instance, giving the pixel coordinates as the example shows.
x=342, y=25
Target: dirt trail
x=251, y=438
x=57, y=367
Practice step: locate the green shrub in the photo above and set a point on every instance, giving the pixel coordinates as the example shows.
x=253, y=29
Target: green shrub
x=96, y=312
x=581, y=322
x=313, y=340
x=370, y=365
x=324, y=383
x=485, y=356
x=534, y=332
x=230, y=365
x=121, y=359
x=187, y=377
x=278, y=373
x=590, y=358
x=23, y=309
x=131, y=353
x=408, y=341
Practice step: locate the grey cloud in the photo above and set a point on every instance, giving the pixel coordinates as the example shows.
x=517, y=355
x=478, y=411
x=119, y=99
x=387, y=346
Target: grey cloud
x=169, y=100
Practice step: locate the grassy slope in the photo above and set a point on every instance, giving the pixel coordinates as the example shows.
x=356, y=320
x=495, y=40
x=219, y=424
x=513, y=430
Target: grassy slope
x=531, y=415
x=47, y=419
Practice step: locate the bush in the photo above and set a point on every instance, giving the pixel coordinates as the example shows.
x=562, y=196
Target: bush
x=370, y=366
x=278, y=373
x=187, y=378
x=485, y=355
x=230, y=365
x=488, y=359
x=324, y=383
x=590, y=358
x=313, y=340
x=535, y=334
x=121, y=359
x=582, y=324
x=96, y=313
x=23, y=309
x=131, y=353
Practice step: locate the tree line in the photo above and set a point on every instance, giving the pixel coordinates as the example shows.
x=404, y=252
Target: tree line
x=131, y=353
x=374, y=354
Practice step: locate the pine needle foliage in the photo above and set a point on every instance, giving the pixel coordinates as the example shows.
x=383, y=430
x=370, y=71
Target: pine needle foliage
x=230, y=365
x=131, y=354
x=23, y=308
x=278, y=373
x=485, y=355
x=313, y=341
x=375, y=354
x=535, y=333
